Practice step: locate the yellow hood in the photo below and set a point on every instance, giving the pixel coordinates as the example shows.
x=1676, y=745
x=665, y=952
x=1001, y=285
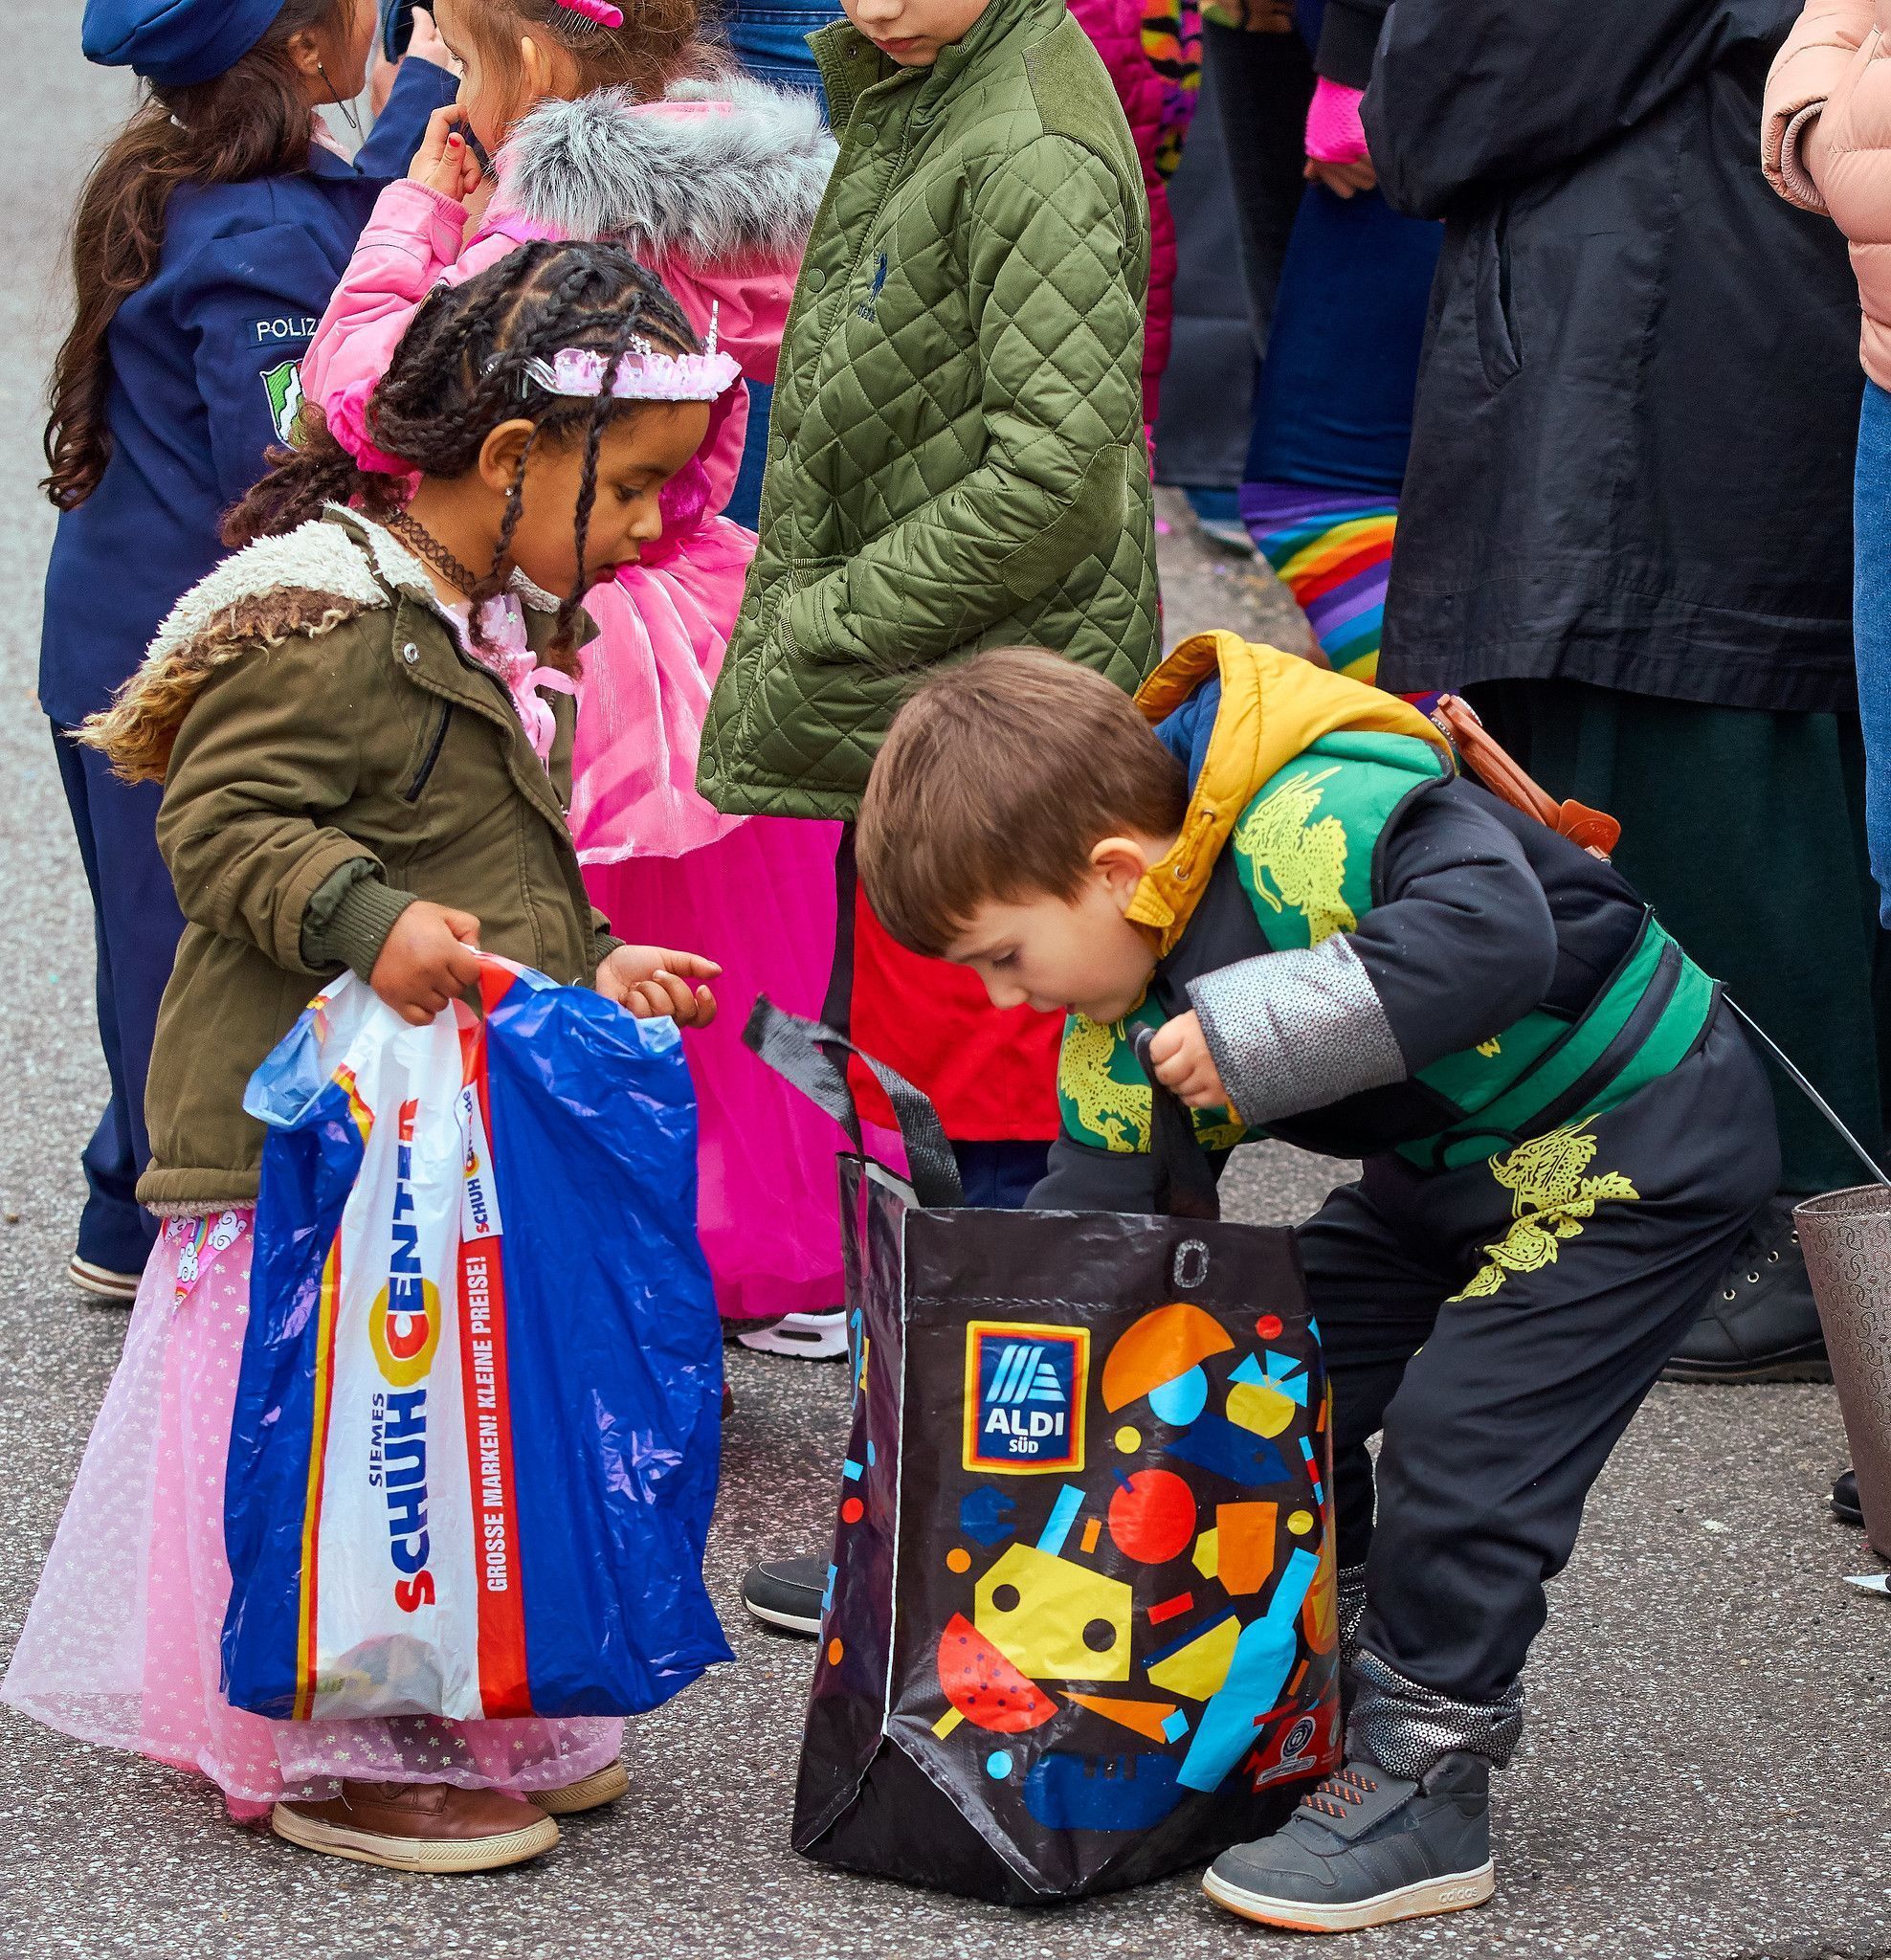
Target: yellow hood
x=1272, y=706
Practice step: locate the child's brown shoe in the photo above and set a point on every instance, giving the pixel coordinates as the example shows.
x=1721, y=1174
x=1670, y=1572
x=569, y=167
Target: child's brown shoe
x=601, y=1787
x=419, y=1827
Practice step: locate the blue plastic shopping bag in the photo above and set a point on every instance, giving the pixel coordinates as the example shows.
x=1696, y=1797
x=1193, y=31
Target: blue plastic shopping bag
x=478, y=1419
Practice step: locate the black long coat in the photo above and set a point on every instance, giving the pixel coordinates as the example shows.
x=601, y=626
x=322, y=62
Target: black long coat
x=1632, y=458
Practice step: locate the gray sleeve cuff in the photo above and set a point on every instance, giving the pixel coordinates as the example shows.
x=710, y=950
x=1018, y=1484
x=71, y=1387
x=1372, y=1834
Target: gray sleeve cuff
x=351, y=916
x=1297, y=1030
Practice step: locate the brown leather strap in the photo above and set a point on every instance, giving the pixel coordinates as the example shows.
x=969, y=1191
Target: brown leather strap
x=1499, y=772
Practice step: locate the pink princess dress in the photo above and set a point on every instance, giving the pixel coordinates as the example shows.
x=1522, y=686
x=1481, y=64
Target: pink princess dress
x=122, y=1643
x=715, y=190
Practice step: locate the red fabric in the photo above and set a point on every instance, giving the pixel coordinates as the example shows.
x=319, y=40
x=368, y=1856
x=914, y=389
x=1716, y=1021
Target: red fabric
x=993, y=1077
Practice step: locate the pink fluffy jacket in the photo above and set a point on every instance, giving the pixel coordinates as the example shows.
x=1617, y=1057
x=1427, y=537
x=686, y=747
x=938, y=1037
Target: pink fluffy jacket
x=1835, y=70
x=715, y=189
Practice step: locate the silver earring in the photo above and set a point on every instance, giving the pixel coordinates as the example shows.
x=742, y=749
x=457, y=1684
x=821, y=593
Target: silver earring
x=349, y=114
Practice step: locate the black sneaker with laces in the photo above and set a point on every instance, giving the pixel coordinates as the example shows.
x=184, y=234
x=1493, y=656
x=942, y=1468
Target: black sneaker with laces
x=1364, y=1848
x=786, y=1594
x=1761, y=1323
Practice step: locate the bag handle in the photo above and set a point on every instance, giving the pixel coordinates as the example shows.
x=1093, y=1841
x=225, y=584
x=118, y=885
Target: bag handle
x=797, y=1049
x=1185, y=1185
x=1508, y=780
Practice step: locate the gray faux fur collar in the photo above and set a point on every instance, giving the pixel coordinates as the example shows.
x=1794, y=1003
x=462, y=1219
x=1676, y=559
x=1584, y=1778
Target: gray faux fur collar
x=738, y=189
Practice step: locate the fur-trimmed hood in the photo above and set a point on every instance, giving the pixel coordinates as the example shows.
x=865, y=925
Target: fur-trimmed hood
x=729, y=171
x=305, y=583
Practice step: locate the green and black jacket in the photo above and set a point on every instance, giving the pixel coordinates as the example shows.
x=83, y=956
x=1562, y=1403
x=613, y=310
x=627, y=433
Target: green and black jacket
x=1384, y=957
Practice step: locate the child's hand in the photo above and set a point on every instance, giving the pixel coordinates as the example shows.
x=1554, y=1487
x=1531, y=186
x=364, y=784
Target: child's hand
x=425, y=43
x=1336, y=153
x=1341, y=179
x=429, y=959
x=1182, y=1062
x=650, y=980
x=445, y=161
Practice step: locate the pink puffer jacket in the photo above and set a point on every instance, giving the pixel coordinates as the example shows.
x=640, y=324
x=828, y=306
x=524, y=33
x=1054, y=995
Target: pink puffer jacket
x=1835, y=70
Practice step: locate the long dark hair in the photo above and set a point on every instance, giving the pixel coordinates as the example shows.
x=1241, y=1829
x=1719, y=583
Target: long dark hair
x=251, y=121
x=461, y=369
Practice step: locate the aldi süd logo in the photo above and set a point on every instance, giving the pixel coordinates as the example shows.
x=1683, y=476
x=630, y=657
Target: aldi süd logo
x=1024, y=1396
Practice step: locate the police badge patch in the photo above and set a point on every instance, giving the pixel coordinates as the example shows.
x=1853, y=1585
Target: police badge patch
x=283, y=386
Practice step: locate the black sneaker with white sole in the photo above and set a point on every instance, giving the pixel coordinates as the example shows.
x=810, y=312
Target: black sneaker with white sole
x=1364, y=1848
x=786, y=1594
x=1761, y=1323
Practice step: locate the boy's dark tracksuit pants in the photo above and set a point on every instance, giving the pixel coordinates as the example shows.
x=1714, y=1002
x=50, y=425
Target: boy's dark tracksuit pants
x=1499, y=1402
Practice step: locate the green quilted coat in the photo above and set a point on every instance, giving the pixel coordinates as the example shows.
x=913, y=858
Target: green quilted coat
x=956, y=458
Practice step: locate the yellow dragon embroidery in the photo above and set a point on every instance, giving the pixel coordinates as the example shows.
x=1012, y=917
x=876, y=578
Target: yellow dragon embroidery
x=1306, y=860
x=1551, y=1200
x=1117, y=1114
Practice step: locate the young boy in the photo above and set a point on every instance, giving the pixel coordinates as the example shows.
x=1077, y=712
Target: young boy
x=956, y=459
x=1345, y=945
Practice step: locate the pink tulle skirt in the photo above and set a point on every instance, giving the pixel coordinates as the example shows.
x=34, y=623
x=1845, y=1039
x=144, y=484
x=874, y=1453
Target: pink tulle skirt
x=120, y=1645
x=760, y=900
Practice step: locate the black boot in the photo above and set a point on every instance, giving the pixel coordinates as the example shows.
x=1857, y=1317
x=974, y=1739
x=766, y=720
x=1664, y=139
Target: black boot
x=1845, y=1504
x=1761, y=1323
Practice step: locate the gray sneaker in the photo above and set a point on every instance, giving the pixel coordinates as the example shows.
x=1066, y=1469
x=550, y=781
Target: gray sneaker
x=1366, y=1848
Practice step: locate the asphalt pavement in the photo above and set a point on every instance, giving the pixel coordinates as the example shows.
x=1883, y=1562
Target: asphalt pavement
x=1703, y=1772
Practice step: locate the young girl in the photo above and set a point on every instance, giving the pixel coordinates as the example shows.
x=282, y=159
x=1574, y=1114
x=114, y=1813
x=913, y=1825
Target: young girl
x=208, y=239
x=363, y=727
x=607, y=128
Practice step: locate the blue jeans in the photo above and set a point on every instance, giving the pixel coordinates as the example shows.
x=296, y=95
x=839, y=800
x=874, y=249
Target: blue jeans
x=772, y=41
x=771, y=44
x=1871, y=625
x=1333, y=406
x=998, y=1177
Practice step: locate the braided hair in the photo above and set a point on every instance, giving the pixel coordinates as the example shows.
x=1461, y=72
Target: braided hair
x=459, y=371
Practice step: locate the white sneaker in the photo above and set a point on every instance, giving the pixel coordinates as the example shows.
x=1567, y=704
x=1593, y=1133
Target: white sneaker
x=808, y=1336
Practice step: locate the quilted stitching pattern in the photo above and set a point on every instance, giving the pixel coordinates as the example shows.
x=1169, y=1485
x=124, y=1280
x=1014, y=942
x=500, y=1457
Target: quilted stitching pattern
x=957, y=455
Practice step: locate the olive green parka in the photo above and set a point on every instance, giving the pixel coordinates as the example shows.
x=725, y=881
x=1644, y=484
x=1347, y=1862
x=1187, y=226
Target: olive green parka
x=328, y=755
x=957, y=456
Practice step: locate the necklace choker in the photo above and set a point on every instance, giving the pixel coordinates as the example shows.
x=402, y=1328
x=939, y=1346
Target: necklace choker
x=415, y=534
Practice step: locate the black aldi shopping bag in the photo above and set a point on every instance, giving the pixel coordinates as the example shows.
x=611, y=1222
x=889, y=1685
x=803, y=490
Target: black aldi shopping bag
x=1081, y=1625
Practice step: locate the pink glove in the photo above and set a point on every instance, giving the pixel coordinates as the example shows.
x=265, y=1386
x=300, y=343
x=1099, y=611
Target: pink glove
x=1334, y=133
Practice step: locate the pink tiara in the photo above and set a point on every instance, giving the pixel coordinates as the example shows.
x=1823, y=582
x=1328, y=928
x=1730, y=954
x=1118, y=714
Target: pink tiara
x=640, y=376
x=598, y=12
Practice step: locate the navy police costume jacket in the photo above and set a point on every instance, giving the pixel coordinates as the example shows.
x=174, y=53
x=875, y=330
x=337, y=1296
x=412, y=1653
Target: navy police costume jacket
x=203, y=382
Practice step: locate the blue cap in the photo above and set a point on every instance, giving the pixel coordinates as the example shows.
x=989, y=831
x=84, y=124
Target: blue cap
x=174, y=42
